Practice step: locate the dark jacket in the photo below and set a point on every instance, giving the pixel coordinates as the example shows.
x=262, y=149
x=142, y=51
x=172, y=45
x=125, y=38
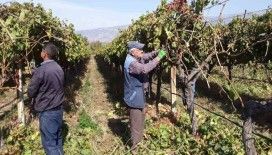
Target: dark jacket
x=135, y=73
x=47, y=86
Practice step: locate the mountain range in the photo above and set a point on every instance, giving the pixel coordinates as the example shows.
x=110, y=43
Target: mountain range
x=107, y=34
x=104, y=35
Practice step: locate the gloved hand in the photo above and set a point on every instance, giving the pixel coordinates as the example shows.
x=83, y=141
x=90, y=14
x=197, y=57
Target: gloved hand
x=162, y=53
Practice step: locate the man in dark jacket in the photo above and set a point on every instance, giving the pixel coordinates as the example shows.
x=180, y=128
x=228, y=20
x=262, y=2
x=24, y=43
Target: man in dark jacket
x=135, y=71
x=46, y=88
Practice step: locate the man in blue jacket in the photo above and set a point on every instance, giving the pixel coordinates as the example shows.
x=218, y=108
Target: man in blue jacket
x=135, y=71
x=47, y=90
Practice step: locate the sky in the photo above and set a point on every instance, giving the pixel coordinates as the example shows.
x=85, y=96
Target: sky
x=233, y=7
x=90, y=14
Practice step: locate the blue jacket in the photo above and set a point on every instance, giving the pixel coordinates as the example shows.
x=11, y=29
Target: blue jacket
x=133, y=86
x=47, y=86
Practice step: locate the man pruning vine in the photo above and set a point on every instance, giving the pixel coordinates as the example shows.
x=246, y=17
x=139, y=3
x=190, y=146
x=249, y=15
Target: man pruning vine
x=135, y=85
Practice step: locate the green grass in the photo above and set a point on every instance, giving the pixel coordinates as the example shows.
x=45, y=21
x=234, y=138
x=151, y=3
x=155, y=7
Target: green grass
x=216, y=136
x=85, y=121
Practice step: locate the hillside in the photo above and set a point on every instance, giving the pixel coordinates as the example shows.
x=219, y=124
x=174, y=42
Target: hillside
x=106, y=34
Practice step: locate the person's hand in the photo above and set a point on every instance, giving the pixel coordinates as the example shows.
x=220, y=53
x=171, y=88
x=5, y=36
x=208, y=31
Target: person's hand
x=162, y=53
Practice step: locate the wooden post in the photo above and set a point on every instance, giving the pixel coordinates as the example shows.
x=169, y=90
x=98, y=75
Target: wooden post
x=229, y=68
x=1, y=137
x=253, y=108
x=158, y=95
x=3, y=75
x=173, y=88
x=248, y=138
x=21, y=116
x=150, y=83
x=121, y=68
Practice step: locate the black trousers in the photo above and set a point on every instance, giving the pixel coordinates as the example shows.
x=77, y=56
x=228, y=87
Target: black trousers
x=137, y=119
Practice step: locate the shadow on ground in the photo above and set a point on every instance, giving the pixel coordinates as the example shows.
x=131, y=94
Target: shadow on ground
x=113, y=80
x=65, y=131
x=114, y=89
x=73, y=83
x=120, y=128
x=216, y=93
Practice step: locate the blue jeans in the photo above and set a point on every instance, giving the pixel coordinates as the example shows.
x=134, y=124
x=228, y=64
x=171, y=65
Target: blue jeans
x=50, y=128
